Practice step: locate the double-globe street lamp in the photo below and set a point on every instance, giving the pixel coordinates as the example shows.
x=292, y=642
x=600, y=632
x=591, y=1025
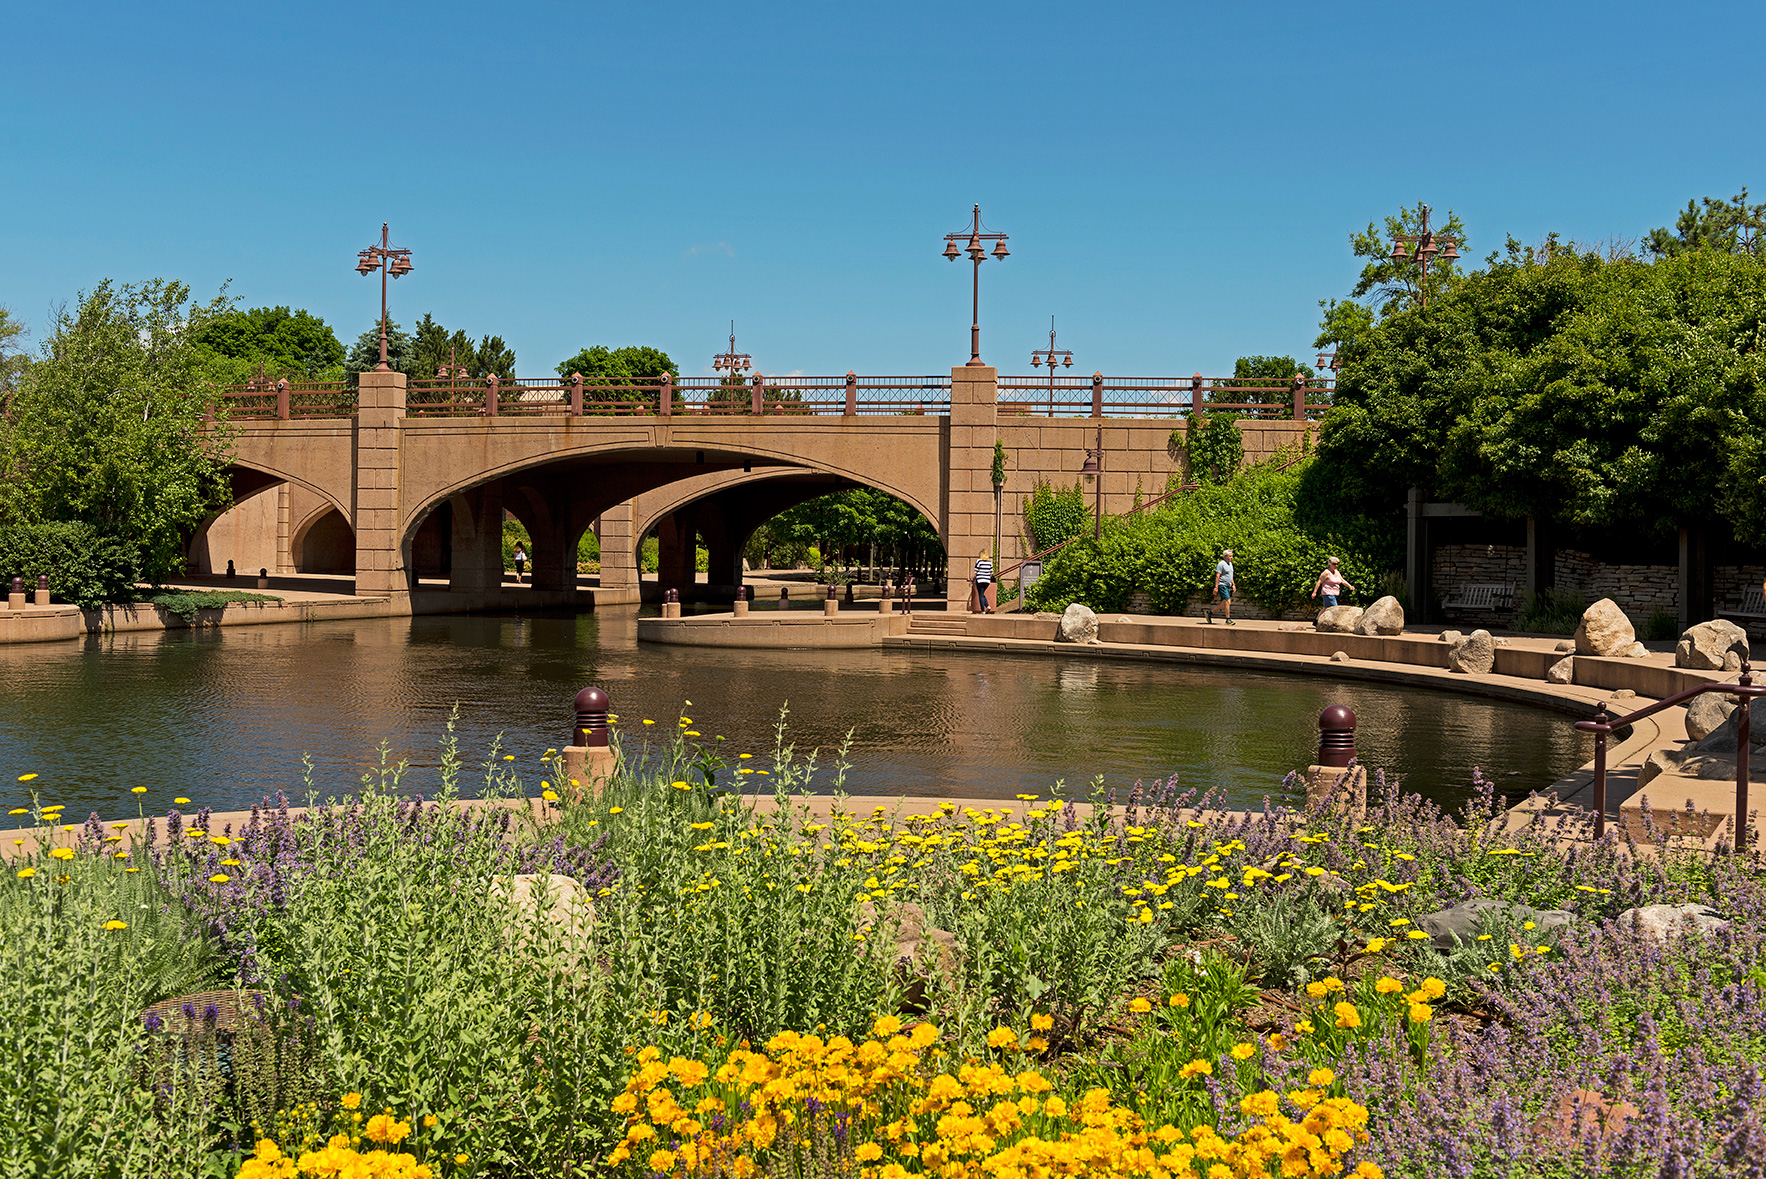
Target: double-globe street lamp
x=388, y=260
x=1051, y=356
x=1427, y=244
x=974, y=236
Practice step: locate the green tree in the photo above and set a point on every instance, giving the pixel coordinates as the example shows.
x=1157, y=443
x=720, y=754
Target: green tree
x=288, y=343
x=1264, y=380
x=434, y=348
x=108, y=426
x=1729, y=227
x=494, y=358
x=609, y=373
x=1213, y=448
x=1385, y=286
x=364, y=354
x=13, y=361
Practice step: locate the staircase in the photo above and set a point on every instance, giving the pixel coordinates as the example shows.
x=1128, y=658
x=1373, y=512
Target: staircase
x=938, y=624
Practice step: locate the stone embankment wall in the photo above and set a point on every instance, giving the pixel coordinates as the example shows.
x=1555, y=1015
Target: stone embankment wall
x=1639, y=590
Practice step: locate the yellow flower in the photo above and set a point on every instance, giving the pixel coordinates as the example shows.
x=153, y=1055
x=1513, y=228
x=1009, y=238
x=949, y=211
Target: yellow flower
x=26, y=777
x=1318, y=1078
x=662, y=1160
x=137, y=790
x=116, y=925
x=886, y=1026
x=1434, y=988
x=63, y=853
x=1196, y=1068
x=351, y=1100
x=429, y=1121
x=1388, y=986
x=616, y=810
x=1179, y=1000
x=1001, y=1038
x=1041, y=1023
x=549, y=795
x=1244, y=1051
x=1347, y=1016
x=1420, y=1012
x=460, y=1160
x=26, y=873
x=19, y=810
x=1054, y=1107
x=219, y=878
x=1416, y=935
x=1139, y=1006
x=181, y=801
x=1316, y=990
x=1259, y=1105
x=679, y=785
x=868, y=1152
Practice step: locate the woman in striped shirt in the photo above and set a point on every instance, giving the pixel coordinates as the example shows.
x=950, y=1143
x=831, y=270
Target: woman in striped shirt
x=983, y=582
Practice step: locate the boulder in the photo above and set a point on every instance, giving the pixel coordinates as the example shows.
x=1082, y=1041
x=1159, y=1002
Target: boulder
x=1718, y=645
x=1450, y=636
x=1660, y=922
x=1339, y=657
x=1473, y=655
x=1604, y=630
x=1622, y=694
x=1565, y=647
x=1722, y=739
x=1562, y=672
x=1384, y=617
x=1078, y=625
x=1462, y=923
x=1707, y=713
x=1635, y=651
x=560, y=902
x=1339, y=619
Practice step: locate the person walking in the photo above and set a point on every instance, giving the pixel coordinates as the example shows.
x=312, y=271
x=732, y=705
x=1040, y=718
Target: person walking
x=520, y=561
x=1223, y=586
x=1329, y=584
x=983, y=583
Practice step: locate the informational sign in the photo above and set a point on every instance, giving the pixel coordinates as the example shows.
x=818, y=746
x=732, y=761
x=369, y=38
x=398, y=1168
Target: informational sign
x=1028, y=574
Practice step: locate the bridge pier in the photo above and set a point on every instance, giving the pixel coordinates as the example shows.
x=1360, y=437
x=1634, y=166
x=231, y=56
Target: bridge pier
x=619, y=554
x=380, y=555
x=967, y=524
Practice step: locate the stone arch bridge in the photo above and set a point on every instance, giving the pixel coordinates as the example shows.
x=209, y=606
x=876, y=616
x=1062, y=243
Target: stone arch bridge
x=407, y=484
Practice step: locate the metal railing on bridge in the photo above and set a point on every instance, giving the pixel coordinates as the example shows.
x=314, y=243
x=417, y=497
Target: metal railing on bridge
x=850, y=395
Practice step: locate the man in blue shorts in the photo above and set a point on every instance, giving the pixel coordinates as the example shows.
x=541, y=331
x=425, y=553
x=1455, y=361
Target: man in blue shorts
x=1223, y=586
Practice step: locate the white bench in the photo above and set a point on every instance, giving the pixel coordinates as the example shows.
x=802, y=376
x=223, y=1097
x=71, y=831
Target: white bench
x=1753, y=605
x=1482, y=596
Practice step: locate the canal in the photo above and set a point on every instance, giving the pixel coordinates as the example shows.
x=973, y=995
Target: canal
x=226, y=717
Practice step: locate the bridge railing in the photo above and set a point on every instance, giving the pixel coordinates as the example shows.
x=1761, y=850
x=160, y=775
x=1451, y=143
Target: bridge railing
x=1159, y=397
x=268, y=400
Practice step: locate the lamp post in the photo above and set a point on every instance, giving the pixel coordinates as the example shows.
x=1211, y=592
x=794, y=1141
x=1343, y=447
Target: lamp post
x=1427, y=244
x=1094, y=470
x=1329, y=360
x=388, y=260
x=977, y=254
x=733, y=360
x=1051, y=356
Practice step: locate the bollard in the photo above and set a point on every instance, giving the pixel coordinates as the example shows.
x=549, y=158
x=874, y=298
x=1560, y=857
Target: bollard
x=907, y=595
x=590, y=758
x=884, y=604
x=832, y=605
x=784, y=597
x=1333, y=777
x=671, y=603
x=230, y=573
x=42, y=589
x=263, y=579
x=849, y=596
x=16, y=599
x=740, y=608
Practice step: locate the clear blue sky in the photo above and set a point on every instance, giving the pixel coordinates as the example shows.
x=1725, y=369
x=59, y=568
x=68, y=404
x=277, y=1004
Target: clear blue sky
x=1179, y=179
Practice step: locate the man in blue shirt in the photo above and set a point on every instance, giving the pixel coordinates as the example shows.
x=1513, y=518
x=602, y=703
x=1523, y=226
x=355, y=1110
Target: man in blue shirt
x=1223, y=586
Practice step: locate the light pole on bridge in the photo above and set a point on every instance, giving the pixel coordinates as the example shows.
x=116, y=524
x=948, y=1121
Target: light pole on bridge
x=388, y=260
x=1428, y=244
x=974, y=236
x=733, y=360
x=1051, y=356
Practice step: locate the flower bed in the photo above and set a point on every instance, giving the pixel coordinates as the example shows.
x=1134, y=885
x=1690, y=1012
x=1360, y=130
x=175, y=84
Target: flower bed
x=966, y=993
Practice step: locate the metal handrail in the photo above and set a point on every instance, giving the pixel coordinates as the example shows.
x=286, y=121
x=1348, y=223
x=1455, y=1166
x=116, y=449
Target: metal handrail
x=1602, y=726
x=1138, y=508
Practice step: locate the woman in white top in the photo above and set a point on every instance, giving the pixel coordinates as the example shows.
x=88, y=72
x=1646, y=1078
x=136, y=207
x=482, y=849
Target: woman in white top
x=1329, y=584
x=983, y=583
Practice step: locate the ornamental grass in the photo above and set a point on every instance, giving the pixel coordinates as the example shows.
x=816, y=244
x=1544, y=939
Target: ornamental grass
x=1059, y=988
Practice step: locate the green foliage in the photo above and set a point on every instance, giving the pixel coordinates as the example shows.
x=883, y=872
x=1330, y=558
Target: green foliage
x=1393, y=285
x=186, y=603
x=293, y=344
x=998, y=470
x=364, y=354
x=86, y=566
x=1169, y=552
x=13, y=362
x=1729, y=227
x=107, y=427
x=604, y=370
x=1253, y=377
x=1214, y=450
x=1550, y=612
x=434, y=350
x=847, y=522
x=1055, y=514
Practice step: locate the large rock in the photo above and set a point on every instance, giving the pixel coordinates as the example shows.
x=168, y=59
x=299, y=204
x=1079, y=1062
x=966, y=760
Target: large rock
x=1450, y=636
x=1604, y=630
x=1473, y=655
x=1718, y=645
x=1384, y=617
x=1722, y=739
x=1339, y=619
x=1562, y=672
x=1078, y=625
x=1706, y=714
x=1635, y=651
x=1462, y=923
x=1660, y=922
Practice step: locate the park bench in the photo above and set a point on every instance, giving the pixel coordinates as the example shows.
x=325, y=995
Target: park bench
x=1752, y=605
x=1482, y=596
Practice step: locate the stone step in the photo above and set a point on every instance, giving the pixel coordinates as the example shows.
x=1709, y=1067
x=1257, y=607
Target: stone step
x=938, y=626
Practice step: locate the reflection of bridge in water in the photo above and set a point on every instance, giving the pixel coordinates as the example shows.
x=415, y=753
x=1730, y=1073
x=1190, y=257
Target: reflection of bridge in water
x=396, y=482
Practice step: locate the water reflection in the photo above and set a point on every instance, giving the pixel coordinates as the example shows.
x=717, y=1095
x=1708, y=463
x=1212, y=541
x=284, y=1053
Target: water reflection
x=227, y=716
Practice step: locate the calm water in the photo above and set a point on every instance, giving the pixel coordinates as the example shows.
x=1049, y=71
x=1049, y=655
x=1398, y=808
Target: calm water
x=225, y=717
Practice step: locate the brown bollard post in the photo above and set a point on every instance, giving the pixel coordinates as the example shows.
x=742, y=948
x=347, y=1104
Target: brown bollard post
x=849, y=594
x=832, y=605
x=784, y=597
x=263, y=579
x=885, y=605
x=15, y=600
x=671, y=603
x=740, y=609
x=590, y=758
x=1334, y=777
x=42, y=589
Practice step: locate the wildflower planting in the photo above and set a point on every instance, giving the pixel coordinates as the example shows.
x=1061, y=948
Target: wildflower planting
x=686, y=973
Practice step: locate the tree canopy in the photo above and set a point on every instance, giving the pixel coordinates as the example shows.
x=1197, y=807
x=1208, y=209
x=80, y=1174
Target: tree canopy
x=600, y=364
x=107, y=427
x=1728, y=226
x=288, y=343
x=1563, y=383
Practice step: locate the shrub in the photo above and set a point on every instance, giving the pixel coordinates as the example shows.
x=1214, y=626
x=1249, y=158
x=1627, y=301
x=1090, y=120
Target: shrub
x=86, y=566
x=1169, y=553
x=1213, y=450
x=1550, y=612
x=1055, y=514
